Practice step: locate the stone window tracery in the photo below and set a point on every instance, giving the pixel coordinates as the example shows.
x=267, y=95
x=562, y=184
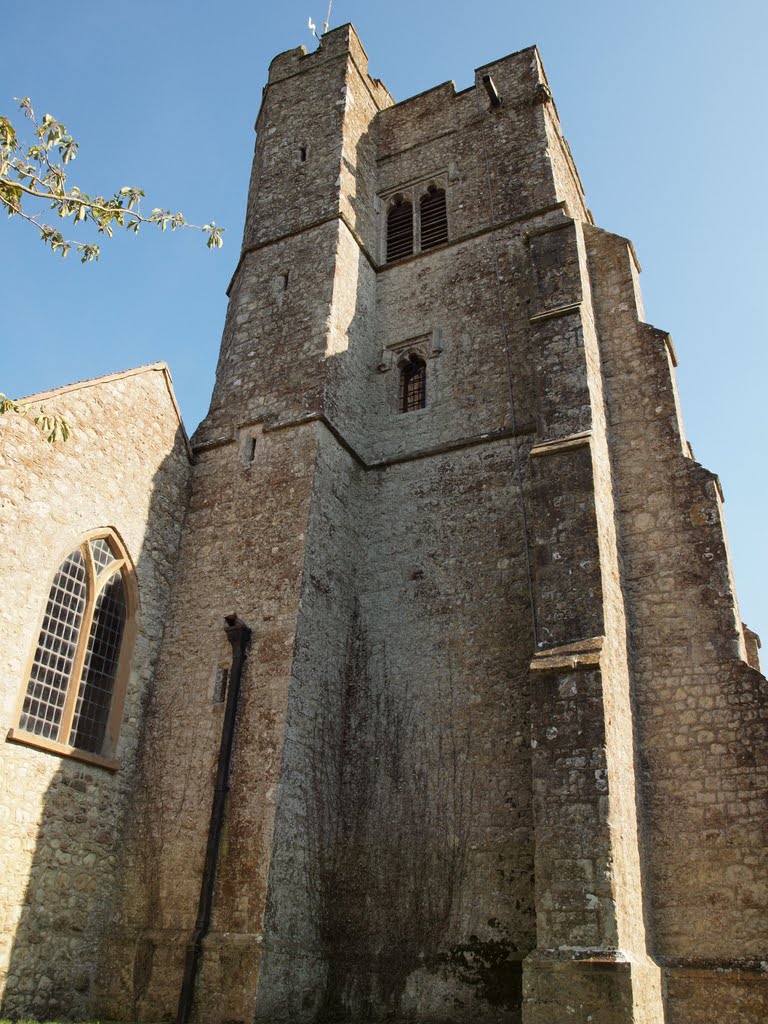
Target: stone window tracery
x=75, y=686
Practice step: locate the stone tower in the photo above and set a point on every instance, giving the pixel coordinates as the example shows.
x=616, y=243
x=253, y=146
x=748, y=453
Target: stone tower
x=496, y=741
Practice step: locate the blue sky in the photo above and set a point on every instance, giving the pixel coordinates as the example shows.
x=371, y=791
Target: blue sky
x=662, y=103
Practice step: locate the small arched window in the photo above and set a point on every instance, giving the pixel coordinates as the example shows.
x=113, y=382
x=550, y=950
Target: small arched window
x=72, y=698
x=399, y=230
x=434, y=218
x=413, y=384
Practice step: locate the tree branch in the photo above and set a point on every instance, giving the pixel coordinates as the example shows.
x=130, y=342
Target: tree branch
x=30, y=172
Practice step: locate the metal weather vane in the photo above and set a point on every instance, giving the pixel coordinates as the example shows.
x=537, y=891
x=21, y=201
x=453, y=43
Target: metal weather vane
x=313, y=27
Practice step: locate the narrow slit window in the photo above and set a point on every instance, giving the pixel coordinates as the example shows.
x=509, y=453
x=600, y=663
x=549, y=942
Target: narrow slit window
x=413, y=384
x=399, y=230
x=434, y=218
x=220, y=685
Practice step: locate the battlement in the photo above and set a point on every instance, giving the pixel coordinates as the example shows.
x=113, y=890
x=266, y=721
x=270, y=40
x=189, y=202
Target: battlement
x=335, y=43
x=520, y=72
x=522, y=124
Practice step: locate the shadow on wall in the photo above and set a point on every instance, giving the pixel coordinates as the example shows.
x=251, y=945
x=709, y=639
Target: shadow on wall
x=390, y=835
x=74, y=856
x=371, y=859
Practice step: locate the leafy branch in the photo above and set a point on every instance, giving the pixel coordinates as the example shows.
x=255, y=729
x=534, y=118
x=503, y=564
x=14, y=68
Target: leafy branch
x=54, y=427
x=37, y=173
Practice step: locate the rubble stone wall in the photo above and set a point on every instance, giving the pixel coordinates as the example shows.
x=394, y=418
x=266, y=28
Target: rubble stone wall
x=242, y=553
x=125, y=467
x=701, y=708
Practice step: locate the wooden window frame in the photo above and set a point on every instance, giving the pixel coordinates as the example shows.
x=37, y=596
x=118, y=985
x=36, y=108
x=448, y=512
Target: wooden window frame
x=95, y=582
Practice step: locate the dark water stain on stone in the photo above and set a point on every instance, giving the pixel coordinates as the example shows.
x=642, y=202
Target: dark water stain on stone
x=492, y=966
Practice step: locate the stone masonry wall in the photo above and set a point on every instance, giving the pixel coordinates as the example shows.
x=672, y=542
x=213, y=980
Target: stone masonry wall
x=305, y=897
x=444, y=606
x=461, y=136
x=400, y=880
x=242, y=552
x=317, y=106
x=460, y=656
x=701, y=707
x=125, y=467
x=591, y=959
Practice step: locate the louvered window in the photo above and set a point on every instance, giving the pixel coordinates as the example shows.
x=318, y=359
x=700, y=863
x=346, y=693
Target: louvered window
x=70, y=692
x=399, y=230
x=413, y=384
x=434, y=218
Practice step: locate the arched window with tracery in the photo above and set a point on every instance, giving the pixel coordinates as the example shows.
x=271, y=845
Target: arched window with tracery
x=434, y=218
x=399, y=230
x=74, y=693
x=413, y=384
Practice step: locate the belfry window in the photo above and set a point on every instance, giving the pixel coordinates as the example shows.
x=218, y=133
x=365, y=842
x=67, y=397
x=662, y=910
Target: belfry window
x=413, y=384
x=73, y=697
x=399, y=230
x=415, y=219
x=434, y=218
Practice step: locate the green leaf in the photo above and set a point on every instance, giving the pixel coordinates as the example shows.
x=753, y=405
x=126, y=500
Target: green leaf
x=45, y=180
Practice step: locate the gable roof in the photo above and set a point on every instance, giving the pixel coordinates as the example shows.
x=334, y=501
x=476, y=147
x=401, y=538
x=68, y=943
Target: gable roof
x=160, y=367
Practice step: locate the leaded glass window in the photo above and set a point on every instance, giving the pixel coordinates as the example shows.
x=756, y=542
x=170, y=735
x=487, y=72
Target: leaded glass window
x=56, y=648
x=71, y=686
x=100, y=667
x=102, y=554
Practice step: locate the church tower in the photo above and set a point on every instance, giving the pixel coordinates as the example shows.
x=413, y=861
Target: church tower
x=482, y=729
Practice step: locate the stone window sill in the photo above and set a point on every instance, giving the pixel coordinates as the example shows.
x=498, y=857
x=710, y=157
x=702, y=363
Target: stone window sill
x=29, y=739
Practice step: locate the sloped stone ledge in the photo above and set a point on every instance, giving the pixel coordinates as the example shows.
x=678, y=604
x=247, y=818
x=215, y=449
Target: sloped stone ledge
x=579, y=654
